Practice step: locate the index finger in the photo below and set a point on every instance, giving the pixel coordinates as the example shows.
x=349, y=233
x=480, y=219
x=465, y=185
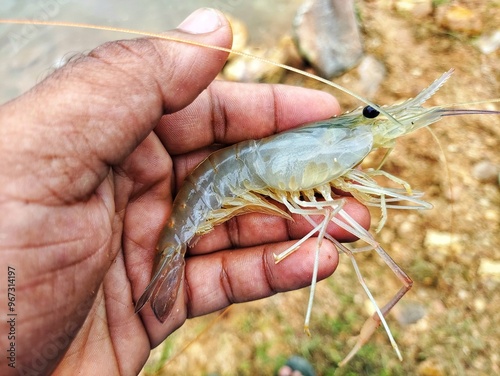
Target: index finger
x=229, y=112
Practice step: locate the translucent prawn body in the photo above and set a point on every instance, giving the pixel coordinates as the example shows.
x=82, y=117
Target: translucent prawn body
x=295, y=168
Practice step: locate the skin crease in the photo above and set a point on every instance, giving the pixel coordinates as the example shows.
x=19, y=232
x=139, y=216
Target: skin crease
x=90, y=160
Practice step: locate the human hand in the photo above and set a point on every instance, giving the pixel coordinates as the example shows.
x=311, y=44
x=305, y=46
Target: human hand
x=90, y=161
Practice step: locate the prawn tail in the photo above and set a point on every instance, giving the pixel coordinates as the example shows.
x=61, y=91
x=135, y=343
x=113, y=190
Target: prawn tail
x=164, y=286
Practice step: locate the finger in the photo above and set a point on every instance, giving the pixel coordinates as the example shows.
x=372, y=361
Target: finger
x=93, y=112
x=230, y=112
x=248, y=274
x=146, y=171
x=215, y=281
x=254, y=229
x=143, y=181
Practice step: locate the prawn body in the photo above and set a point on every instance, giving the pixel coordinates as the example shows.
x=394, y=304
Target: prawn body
x=293, y=168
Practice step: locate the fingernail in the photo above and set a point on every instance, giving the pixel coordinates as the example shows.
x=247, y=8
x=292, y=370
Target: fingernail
x=203, y=20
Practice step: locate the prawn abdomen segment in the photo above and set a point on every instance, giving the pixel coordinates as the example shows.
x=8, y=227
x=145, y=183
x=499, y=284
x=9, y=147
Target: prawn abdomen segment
x=203, y=192
x=310, y=156
x=236, y=186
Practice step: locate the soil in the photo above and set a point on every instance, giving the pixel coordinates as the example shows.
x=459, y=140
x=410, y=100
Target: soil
x=449, y=323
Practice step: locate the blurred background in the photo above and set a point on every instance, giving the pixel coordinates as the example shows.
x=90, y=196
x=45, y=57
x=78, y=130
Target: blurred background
x=31, y=52
x=449, y=323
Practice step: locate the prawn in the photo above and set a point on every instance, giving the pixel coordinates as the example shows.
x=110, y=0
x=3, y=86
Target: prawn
x=320, y=156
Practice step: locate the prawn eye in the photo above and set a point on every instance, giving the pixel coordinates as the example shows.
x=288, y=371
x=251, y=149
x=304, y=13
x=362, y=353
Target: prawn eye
x=370, y=113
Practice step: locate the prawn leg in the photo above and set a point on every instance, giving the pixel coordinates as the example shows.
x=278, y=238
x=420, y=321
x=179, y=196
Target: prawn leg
x=332, y=209
x=233, y=206
x=377, y=318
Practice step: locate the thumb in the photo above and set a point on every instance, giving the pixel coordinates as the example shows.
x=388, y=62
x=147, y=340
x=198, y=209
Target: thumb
x=62, y=136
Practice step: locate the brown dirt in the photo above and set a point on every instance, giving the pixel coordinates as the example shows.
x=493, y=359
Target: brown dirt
x=460, y=331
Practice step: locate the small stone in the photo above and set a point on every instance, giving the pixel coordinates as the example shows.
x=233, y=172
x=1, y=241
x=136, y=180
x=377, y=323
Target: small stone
x=408, y=313
x=417, y=8
x=489, y=268
x=489, y=43
x=406, y=228
x=440, y=239
x=246, y=69
x=492, y=215
x=327, y=35
x=437, y=307
x=479, y=305
x=463, y=294
x=387, y=236
x=371, y=73
x=368, y=307
x=459, y=19
x=453, y=193
x=485, y=171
